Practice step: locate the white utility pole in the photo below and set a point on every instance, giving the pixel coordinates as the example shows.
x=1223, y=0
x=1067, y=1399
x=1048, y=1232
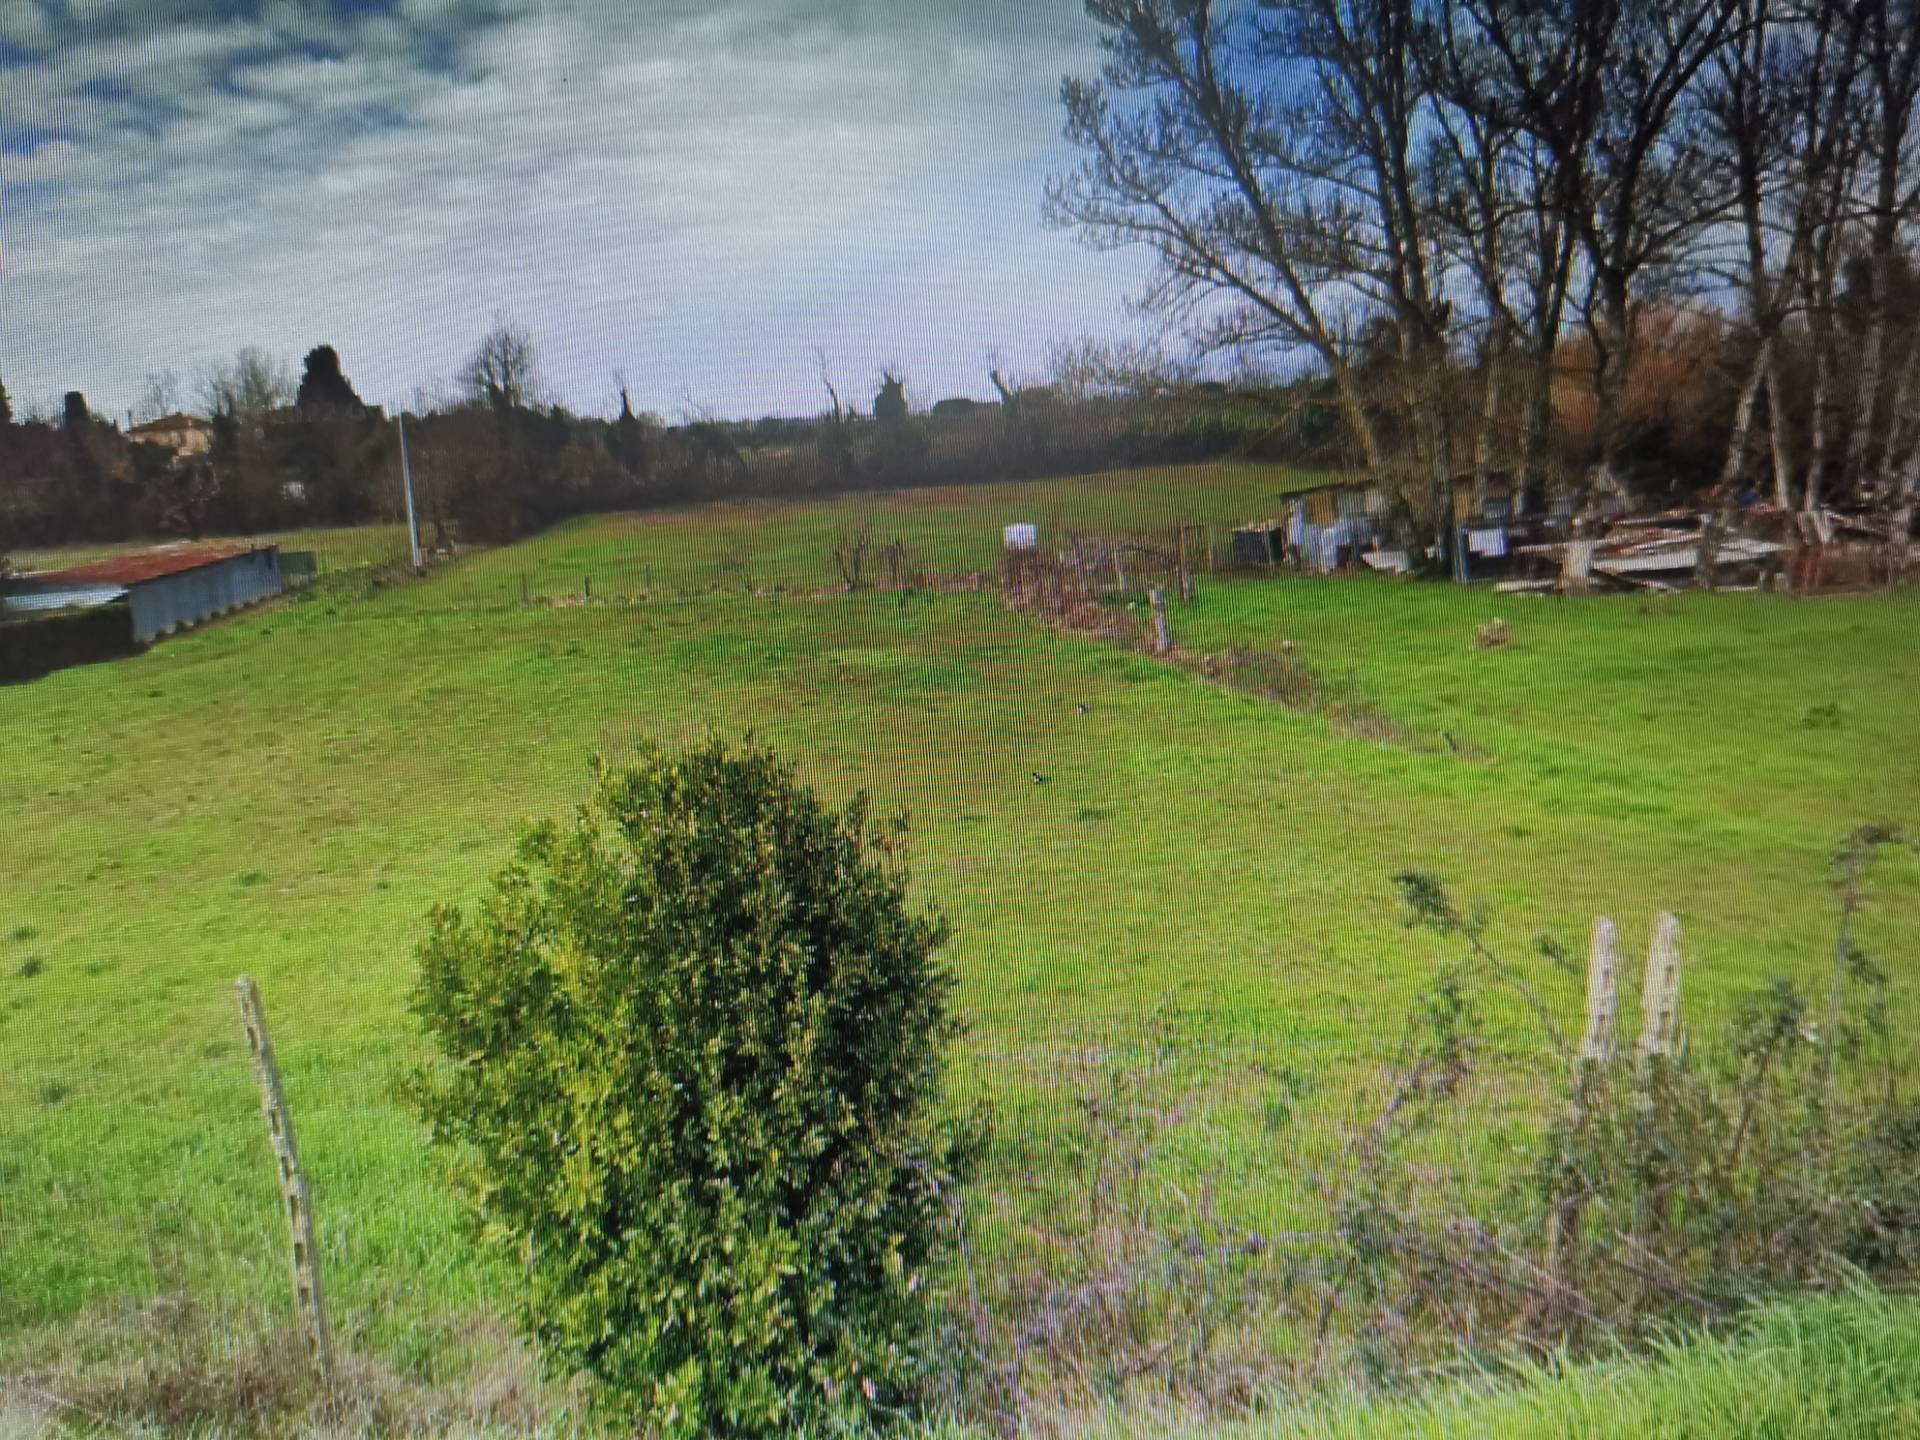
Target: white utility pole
x=406, y=478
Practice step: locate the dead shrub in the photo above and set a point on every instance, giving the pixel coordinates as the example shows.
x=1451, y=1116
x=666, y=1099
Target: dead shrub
x=1494, y=635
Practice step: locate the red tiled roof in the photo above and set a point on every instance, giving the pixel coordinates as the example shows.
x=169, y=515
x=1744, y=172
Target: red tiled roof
x=132, y=569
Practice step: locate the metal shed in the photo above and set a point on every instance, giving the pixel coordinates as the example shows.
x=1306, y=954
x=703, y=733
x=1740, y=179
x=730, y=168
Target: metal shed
x=165, y=589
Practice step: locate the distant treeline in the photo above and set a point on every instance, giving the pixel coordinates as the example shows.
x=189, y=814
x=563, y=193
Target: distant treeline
x=494, y=461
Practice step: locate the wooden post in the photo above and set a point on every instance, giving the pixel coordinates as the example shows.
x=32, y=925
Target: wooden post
x=1119, y=573
x=526, y=597
x=1162, y=635
x=1213, y=562
x=1660, y=996
x=307, y=1297
x=1603, y=993
x=586, y=587
x=1576, y=567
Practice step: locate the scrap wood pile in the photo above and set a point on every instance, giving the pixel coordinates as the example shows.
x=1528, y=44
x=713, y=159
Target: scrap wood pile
x=1758, y=547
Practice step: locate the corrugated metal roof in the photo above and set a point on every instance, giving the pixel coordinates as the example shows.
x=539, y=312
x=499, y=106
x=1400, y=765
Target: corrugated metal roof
x=133, y=569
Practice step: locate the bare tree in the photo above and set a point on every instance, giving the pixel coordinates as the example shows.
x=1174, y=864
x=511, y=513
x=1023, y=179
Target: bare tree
x=504, y=368
x=251, y=385
x=159, y=396
x=1131, y=368
x=838, y=414
x=1782, y=104
x=1270, y=155
x=1188, y=148
x=1890, y=51
x=1609, y=90
x=1493, y=184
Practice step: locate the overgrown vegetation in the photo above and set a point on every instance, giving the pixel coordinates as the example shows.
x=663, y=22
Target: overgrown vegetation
x=693, y=1045
x=1682, y=1182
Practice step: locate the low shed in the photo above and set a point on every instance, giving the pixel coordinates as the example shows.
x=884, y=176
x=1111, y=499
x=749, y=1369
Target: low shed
x=166, y=590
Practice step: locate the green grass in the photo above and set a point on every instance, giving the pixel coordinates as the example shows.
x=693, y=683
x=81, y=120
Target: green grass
x=284, y=795
x=1828, y=1370
x=1822, y=1370
x=950, y=531
x=347, y=547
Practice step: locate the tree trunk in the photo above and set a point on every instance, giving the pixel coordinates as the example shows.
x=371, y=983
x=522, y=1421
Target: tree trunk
x=1353, y=406
x=1610, y=379
x=1820, y=328
x=1777, y=437
x=1903, y=423
x=1489, y=413
x=1867, y=381
x=1538, y=419
x=1736, y=461
x=1817, y=440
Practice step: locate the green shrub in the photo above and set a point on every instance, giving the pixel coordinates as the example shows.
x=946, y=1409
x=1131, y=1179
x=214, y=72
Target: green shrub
x=692, y=1048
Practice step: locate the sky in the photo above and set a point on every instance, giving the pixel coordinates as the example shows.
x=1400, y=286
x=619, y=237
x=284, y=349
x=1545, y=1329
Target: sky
x=695, y=194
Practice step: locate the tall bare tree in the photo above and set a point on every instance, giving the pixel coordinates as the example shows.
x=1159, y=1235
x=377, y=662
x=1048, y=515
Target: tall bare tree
x=1889, y=33
x=1781, y=101
x=1492, y=184
x=251, y=385
x=1269, y=155
x=1609, y=89
x=504, y=368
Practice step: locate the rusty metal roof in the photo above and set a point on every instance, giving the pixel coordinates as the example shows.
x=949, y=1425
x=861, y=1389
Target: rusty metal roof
x=134, y=569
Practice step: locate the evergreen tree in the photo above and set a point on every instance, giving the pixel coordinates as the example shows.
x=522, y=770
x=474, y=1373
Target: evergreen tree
x=324, y=383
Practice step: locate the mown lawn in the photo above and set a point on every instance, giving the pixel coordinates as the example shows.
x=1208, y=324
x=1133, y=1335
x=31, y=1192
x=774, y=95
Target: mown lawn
x=285, y=796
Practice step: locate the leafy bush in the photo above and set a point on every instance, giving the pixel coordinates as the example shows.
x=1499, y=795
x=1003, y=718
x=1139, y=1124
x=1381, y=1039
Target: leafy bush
x=692, y=1052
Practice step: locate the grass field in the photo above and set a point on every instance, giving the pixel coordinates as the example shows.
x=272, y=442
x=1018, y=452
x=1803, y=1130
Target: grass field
x=285, y=795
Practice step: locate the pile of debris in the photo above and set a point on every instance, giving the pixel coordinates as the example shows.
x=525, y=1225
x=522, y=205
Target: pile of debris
x=1759, y=547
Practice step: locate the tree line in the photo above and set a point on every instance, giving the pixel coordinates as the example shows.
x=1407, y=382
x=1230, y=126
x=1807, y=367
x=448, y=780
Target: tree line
x=496, y=457
x=1463, y=213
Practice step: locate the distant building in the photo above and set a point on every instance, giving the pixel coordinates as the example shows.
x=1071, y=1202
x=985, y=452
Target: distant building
x=185, y=435
x=166, y=590
x=1329, y=527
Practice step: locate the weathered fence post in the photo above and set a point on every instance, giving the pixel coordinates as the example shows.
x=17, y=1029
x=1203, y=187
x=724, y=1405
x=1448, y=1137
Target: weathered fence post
x=1603, y=993
x=1119, y=571
x=1162, y=634
x=307, y=1296
x=1594, y=1057
x=1576, y=567
x=1660, y=996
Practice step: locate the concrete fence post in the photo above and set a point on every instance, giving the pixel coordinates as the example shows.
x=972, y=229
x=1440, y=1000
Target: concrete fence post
x=1603, y=992
x=1162, y=633
x=294, y=1194
x=1660, y=996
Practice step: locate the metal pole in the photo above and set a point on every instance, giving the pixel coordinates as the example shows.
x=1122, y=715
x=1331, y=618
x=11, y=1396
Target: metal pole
x=406, y=479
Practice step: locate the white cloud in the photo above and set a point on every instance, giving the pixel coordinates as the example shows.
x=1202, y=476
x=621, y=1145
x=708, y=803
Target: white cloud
x=698, y=195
